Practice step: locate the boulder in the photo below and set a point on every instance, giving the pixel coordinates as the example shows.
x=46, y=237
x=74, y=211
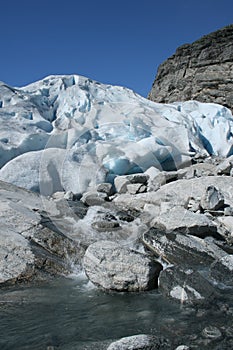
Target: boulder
x=115, y=267
x=178, y=193
x=158, y=180
x=121, y=182
x=182, y=249
x=197, y=170
x=182, y=220
x=141, y=342
x=104, y=188
x=185, y=285
x=94, y=198
x=212, y=199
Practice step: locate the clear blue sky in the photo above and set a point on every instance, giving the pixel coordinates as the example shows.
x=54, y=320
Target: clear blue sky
x=118, y=42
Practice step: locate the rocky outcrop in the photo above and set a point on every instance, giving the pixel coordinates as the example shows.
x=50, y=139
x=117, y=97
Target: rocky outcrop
x=32, y=247
x=201, y=71
x=182, y=249
x=180, y=219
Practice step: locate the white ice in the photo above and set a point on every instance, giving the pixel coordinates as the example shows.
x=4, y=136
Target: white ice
x=70, y=132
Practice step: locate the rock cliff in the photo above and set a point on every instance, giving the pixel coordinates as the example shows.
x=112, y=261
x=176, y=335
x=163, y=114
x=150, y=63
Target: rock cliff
x=201, y=71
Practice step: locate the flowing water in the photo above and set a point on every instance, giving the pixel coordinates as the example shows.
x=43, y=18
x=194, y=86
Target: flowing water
x=70, y=313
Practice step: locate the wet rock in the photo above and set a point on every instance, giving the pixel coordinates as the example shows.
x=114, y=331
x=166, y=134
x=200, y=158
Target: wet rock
x=222, y=270
x=213, y=199
x=115, y=267
x=182, y=249
x=182, y=220
x=182, y=347
x=211, y=332
x=185, y=286
x=140, y=342
x=77, y=208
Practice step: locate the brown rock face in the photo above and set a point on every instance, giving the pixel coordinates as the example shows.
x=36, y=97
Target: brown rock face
x=201, y=71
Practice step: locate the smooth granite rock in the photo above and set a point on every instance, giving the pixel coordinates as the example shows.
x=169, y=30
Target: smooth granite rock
x=114, y=267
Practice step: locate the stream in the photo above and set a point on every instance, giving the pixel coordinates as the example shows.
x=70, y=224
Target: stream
x=70, y=313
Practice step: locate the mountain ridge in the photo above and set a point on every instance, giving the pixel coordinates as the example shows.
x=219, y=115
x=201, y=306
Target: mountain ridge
x=202, y=71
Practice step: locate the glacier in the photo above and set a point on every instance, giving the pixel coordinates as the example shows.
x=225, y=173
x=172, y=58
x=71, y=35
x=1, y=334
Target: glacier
x=70, y=133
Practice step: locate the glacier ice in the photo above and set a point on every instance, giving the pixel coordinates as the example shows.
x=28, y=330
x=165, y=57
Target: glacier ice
x=70, y=133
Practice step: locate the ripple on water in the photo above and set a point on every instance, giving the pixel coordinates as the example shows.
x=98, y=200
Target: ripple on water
x=71, y=312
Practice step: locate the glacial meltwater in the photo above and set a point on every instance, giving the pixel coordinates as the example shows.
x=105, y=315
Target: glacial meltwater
x=70, y=313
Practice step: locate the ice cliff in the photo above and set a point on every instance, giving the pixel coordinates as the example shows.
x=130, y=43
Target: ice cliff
x=70, y=132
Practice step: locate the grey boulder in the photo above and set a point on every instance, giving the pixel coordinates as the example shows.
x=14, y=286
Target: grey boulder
x=115, y=267
x=140, y=342
x=212, y=199
x=16, y=258
x=122, y=182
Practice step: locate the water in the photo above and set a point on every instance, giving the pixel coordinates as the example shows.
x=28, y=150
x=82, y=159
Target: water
x=69, y=313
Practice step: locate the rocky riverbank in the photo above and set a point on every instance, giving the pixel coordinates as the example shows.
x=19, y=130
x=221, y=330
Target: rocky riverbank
x=170, y=230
